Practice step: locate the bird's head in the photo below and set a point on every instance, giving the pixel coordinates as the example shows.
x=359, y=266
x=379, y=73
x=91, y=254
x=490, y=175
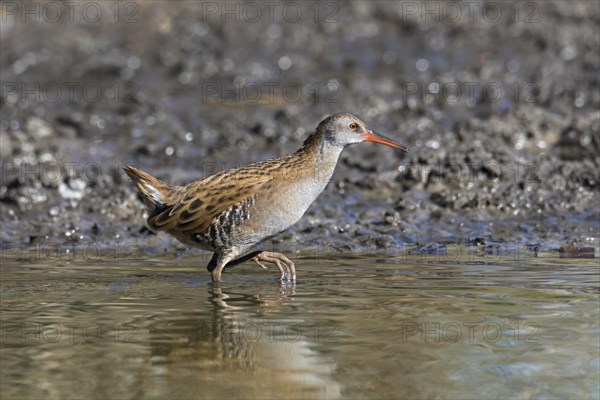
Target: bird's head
x=343, y=129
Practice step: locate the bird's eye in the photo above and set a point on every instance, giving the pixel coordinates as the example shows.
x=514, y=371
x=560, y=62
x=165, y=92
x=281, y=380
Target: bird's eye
x=353, y=126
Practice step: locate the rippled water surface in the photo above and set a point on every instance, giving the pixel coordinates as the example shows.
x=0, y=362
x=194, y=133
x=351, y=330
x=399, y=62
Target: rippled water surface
x=358, y=327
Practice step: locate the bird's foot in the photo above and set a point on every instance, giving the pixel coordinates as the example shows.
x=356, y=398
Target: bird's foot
x=285, y=265
x=263, y=266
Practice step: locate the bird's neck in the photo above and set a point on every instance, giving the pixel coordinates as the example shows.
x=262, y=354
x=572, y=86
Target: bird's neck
x=320, y=155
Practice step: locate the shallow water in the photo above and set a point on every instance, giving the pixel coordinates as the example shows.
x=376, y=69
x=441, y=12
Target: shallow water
x=352, y=327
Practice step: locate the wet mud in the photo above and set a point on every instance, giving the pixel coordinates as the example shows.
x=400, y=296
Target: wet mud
x=501, y=118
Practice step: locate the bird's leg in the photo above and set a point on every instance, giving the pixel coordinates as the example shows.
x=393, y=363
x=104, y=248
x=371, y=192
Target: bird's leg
x=221, y=263
x=240, y=260
x=284, y=264
x=213, y=261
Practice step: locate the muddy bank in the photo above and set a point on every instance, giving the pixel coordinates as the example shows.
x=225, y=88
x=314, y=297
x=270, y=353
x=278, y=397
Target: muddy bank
x=501, y=117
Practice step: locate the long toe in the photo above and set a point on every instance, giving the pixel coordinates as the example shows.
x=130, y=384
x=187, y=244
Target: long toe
x=292, y=271
x=263, y=266
x=284, y=265
x=282, y=269
x=290, y=267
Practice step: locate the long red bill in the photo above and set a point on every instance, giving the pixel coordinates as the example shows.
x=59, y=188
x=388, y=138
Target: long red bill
x=371, y=136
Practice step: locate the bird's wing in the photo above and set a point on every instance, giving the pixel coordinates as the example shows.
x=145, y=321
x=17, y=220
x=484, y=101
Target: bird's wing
x=203, y=201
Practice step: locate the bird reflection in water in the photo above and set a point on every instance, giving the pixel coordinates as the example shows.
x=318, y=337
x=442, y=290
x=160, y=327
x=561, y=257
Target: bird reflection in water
x=243, y=346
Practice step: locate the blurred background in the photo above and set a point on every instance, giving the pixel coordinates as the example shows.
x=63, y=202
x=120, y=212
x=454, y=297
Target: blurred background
x=497, y=101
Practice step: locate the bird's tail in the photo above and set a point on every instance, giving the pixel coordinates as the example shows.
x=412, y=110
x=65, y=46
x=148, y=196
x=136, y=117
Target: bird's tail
x=154, y=191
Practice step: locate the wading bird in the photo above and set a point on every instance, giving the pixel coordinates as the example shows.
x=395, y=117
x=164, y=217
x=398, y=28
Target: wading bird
x=233, y=211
